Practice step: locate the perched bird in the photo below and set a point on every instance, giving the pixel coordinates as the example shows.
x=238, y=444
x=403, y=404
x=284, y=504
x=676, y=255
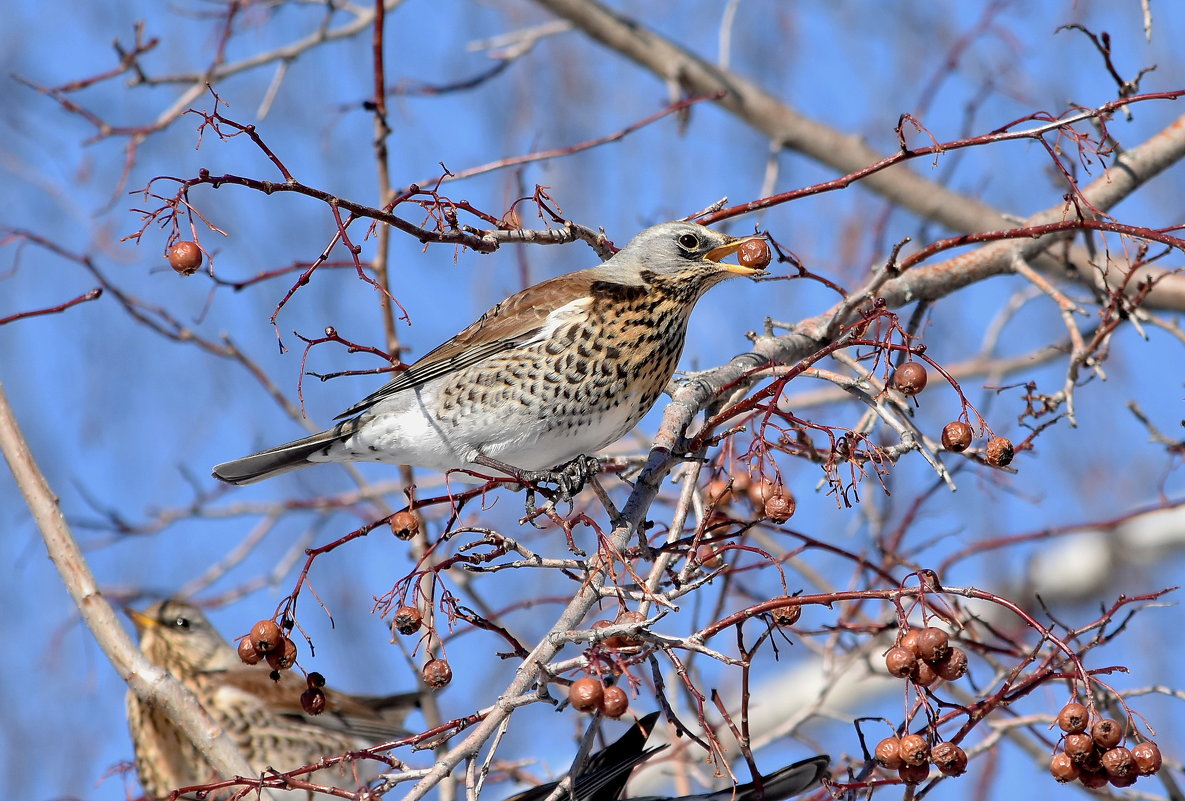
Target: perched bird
x=604, y=776
x=555, y=372
x=263, y=717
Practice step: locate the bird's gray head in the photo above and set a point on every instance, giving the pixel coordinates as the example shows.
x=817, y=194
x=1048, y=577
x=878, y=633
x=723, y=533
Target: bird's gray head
x=176, y=635
x=682, y=250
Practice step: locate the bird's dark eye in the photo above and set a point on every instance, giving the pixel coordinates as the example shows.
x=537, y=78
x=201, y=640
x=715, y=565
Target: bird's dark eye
x=689, y=241
x=181, y=623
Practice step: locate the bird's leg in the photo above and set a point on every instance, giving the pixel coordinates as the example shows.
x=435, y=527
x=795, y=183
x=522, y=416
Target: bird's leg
x=569, y=478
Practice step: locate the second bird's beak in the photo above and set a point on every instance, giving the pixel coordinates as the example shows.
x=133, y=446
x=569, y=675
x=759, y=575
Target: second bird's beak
x=723, y=251
x=140, y=620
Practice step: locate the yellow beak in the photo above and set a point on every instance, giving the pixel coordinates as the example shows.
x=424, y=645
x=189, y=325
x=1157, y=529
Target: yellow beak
x=724, y=251
x=140, y=620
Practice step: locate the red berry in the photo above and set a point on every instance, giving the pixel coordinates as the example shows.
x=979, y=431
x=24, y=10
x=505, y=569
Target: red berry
x=405, y=524
x=1063, y=768
x=1118, y=761
x=900, y=661
x=1093, y=779
x=283, y=656
x=266, y=636
x=923, y=674
x=953, y=666
x=909, y=640
x=914, y=774
x=312, y=701
x=1106, y=733
x=315, y=680
x=586, y=694
x=914, y=749
x=888, y=753
x=949, y=758
x=786, y=615
x=248, y=652
x=1073, y=718
x=780, y=508
x=933, y=644
x=999, y=452
x=957, y=436
x=754, y=253
x=1147, y=758
x=407, y=620
x=437, y=673
x=909, y=378
x=615, y=702
x=1078, y=747
x=185, y=257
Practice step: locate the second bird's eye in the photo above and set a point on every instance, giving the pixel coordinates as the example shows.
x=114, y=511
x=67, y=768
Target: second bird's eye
x=688, y=241
x=181, y=623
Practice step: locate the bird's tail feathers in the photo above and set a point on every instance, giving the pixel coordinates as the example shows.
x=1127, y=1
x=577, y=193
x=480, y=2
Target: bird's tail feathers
x=280, y=459
x=783, y=783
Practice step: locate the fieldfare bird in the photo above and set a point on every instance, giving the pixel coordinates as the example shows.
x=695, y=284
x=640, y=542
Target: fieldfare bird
x=604, y=776
x=263, y=717
x=555, y=372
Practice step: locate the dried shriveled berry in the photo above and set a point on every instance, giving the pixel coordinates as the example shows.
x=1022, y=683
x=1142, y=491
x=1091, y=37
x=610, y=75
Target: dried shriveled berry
x=1078, y=747
x=1073, y=718
x=1062, y=768
x=405, y=524
x=888, y=753
x=949, y=758
x=914, y=749
x=999, y=452
x=754, y=253
x=282, y=656
x=586, y=694
x=719, y=493
x=1126, y=780
x=914, y=774
x=910, y=640
x=1106, y=733
x=266, y=636
x=780, y=508
x=615, y=702
x=1118, y=761
x=437, y=673
x=710, y=556
x=624, y=642
x=957, y=436
x=1093, y=779
x=407, y=620
x=185, y=257
x=900, y=661
x=1147, y=758
x=786, y=615
x=933, y=644
x=909, y=378
x=248, y=652
x=312, y=700
x=315, y=680
x=952, y=666
x=923, y=674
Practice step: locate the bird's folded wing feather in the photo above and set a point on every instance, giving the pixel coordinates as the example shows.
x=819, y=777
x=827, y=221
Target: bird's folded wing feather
x=512, y=322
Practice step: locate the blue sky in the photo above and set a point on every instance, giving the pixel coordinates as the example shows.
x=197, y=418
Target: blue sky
x=126, y=423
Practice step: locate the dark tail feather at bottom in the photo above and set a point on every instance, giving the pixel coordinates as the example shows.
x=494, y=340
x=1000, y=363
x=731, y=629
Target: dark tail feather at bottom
x=277, y=460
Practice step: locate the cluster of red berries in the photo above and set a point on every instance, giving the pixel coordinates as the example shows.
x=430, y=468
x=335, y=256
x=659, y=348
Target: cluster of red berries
x=911, y=756
x=313, y=699
x=268, y=641
x=628, y=643
x=1093, y=754
x=771, y=499
x=589, y=694
x=924, y=656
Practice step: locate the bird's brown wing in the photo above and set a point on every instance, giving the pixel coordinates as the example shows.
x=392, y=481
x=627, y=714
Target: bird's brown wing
x=512, y=322
x=370, y=718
